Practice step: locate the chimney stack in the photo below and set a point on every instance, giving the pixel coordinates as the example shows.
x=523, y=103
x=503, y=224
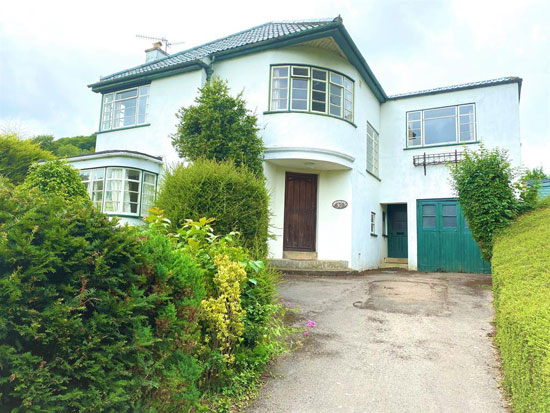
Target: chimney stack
x=154, y=52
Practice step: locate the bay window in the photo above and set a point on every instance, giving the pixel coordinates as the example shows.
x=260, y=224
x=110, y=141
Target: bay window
x=446, y=125
x=311, y=89
x=125, y=108
x=120, y=191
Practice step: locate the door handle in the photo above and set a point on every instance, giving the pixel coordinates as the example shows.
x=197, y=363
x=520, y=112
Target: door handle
x=400, y=233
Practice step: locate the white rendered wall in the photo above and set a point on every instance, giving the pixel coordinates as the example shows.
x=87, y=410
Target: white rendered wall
x=166, y=97
x=497, y=120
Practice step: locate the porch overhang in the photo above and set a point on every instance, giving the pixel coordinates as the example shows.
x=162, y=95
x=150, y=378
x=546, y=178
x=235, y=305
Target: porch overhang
x=309, y=158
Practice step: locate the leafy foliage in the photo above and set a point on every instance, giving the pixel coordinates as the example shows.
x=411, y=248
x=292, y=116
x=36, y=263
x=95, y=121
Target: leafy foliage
x=219, y=127
x=93, y=316
x=521, y=283
x=63, y=147
x=234, y=196
x=486, y=191
x=17, y=156
x=56, y=178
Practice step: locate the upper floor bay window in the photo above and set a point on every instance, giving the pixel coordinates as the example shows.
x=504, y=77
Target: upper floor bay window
x=372, y=150
x=447, y=125
x=311, y=89
x=120, y=191
x=125, y=108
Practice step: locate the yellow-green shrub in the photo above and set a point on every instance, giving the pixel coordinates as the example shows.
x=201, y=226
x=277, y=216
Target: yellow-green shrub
x=521, y=280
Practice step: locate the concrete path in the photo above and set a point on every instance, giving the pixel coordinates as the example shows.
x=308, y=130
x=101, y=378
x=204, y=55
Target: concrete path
x=388, y=342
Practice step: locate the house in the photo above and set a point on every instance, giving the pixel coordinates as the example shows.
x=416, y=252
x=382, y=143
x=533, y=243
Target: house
x=359, y=179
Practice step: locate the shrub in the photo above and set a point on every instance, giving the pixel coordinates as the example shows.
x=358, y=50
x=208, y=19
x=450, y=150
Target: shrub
x=17, y=155
x=484, y=183
x=521, y=282
x=234, y=196
x=93, y=316
x=56, y=178
x=63, y=147
x=219, y=127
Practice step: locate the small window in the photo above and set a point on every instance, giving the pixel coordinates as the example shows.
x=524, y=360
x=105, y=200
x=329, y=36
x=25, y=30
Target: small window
x=373, y=223
x=428, y=216
x=125, y=108
x=372, y=150
x=279, y=88
x=300, y=71
x=449, y=216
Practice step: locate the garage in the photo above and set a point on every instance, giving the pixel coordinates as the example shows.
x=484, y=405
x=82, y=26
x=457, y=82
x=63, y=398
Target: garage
x=444, y=239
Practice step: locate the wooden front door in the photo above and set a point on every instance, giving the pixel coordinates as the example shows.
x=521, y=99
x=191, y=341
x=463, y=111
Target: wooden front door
x=300, y=212
x=397, y=231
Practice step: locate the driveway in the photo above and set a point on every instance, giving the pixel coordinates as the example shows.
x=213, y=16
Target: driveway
x=388, y=342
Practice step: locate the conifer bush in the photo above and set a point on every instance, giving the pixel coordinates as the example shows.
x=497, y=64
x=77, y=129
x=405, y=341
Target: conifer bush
x=234, y=196
x=93, y=316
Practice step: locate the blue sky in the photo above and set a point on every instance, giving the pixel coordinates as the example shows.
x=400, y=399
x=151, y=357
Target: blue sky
x=50, y=51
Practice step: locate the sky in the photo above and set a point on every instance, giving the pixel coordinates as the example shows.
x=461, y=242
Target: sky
x=51, y=50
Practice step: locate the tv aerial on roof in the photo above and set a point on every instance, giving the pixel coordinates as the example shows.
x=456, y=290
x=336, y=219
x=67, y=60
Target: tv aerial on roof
x=163, y=40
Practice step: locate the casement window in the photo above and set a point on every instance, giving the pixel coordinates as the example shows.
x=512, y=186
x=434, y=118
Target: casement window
x=372, y=150
x=373, y=223
x=447, y=125
x=120, y=191
x=311, y=89
x=125, y=108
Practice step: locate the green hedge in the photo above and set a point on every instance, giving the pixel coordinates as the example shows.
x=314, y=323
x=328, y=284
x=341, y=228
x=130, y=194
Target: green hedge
x=521, y=280
x=234, y=196
x=93, y=316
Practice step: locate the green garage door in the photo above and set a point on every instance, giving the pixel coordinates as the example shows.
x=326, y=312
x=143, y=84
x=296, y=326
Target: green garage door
x=444, y=240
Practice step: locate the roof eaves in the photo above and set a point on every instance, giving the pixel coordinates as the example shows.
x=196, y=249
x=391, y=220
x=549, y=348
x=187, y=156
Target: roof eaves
x=457, y=88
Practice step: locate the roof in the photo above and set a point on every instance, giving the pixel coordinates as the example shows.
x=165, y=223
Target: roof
x=108, y=153
x=268, y=35
x=256, y=34
x=464, y=86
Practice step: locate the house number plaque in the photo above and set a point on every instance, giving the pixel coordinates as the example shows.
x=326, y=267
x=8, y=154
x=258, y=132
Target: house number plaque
x=339, y=204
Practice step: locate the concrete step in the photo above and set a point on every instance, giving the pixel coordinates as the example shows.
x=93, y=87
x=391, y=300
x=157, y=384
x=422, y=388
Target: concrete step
x=299, y=255
x=329, y=265
x=396, y=260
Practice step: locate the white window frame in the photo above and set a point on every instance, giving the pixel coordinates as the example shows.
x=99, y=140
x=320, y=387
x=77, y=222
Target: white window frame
x=109, y=102
x=347, y=85
x=120, y=212
x=458, y=125
x=373, y=223
x=373, y=149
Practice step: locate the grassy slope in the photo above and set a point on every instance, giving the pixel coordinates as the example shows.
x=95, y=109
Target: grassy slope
x=521, y=280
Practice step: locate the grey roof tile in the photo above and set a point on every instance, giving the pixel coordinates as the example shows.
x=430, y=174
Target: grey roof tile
x=256, y=34
x=463, y=86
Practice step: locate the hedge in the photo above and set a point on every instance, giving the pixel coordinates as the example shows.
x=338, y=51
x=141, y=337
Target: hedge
x=521, y=280
x=234, y=196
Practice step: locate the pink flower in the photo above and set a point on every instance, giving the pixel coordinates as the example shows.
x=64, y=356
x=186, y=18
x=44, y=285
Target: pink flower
x=282, y=300
x=288, y=304
x=311, y=323
x=306, y=333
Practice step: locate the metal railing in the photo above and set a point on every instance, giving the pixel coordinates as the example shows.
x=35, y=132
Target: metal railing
x=437, y=159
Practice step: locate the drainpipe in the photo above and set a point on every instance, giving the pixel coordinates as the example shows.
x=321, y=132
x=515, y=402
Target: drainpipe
x=210, y=69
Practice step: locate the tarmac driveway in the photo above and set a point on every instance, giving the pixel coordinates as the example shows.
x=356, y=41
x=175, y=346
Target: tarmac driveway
x=388, y=342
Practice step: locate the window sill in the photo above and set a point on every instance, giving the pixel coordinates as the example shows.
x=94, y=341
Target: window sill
x=385, y=235
x=271, y=112
x=373, y=235
x=124, y=128
x=373, y=175
x=443, y=144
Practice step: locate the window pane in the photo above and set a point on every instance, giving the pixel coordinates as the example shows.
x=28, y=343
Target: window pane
x=319, y=96
x=126, y=94
x=299, y=94
x=428, y=222
x=280, y=72
x=278, y=104
x=436, y=113
x=319, y=86
x=414, y=134
x=133, y=174
x=439, y=130
x=318, y=107
x=114, y=173
x=300, y=71
x=413, y=116
x=108, y=98
x=319, y=74
x=280, y=83
x=449, y=210
x=144, y=90
x=466, y=109
x=85, y=175
x=449, y=222
x=334, y=78
x=149, y=178
x=428, y=210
